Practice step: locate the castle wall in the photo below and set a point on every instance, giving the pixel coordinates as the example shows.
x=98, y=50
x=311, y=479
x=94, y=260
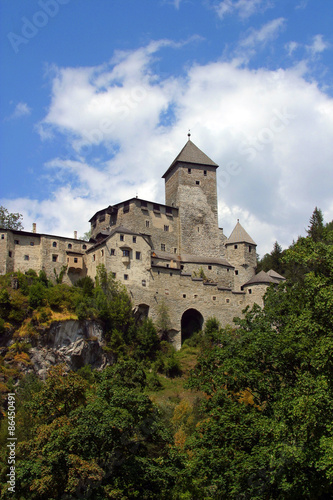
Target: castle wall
x=244, y=260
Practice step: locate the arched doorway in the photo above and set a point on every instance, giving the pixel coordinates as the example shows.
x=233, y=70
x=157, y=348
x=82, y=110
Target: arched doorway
x=141, y=312
x=191, y=322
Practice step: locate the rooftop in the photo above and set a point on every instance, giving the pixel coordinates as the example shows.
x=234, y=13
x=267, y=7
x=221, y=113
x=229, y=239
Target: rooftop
x=191, y=154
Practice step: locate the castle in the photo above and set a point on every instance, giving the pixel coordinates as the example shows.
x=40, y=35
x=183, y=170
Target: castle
x=173, y=254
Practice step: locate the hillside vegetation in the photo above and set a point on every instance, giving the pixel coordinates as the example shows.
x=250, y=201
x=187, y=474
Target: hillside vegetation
x=243, y=412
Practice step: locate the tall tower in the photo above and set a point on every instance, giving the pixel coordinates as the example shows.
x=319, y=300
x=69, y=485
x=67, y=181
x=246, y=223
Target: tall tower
x=190, y=185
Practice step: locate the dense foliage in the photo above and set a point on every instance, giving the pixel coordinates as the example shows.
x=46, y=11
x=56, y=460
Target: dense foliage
x=260, y=426
x=9, y=220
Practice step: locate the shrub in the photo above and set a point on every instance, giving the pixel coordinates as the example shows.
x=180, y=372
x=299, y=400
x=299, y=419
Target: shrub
x=37, y=295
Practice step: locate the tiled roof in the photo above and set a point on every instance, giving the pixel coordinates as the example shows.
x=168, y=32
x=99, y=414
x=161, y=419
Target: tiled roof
x=197, y=259
x=273, y=274
x=191, y=154
x=239, y=235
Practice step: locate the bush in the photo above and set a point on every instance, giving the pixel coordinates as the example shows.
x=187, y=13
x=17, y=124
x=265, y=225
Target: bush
x=37, y=295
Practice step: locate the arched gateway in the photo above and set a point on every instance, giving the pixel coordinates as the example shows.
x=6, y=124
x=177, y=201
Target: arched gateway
x=191, y=322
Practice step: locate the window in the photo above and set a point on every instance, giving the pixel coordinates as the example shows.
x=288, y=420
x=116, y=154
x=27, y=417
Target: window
x=166, y=228
x=210, y=268
x=84, y=247
x=2, y=236
x=170, y=274
x=143, y=282
x=94, y=258
x=163, y=247
x=195, y=296
x=147, y=223
x=26, y=257
x=54, y=258
x=182, y=267
x=168, y=210
x=143, y=204
x=69, y=245
x=156, y=207
x=113, y=252
x=126, y=208
x=197, y=183
x=235, y=247
x=134, y=239
x=227, y=301
x=121, y=237
x=101, y=218
x=17, y=242
x=9, y=253
x=75, y=260
x=205, y=172
x=102, y=253
x=184, y=295
x=125, y=277
x=214, y=297
x=167, y=266
x=175, y=250
x=189, y=170
x=250, y=291
x=32, y=243
x=54, y=244
x=126, y=253
x=138, y=255
x=250, y=248
x=236, y=272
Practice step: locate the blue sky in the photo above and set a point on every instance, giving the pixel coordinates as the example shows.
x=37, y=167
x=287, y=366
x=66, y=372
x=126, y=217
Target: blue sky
x=97, y=98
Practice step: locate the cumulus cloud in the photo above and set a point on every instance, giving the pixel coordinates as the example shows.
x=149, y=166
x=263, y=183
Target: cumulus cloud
x=270, y=132
x=317, y=46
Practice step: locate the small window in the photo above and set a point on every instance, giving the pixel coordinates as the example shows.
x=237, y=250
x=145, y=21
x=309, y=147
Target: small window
x=134, y=239
x=156, y=207
x=147, y=223
x=175, y=250
x=168, y=210
x=228, y=269
x=126, y=253
x=102, y=253
x=205, y=172
x=9, y=253
x=121, y=237
x=167, y=265
x=210, y=268
x=75, y=260
x=163, y=247
x=138, y=255
x=2, y=236
x=54, y=244
x=197, y=183
x=250, y=291
x=143, y=204
x=166, y=228
x=182, y=267
x=54, y=258
x=250, y=249
x=189, y=170
x=94, y=258
x=184, y=295
x=17, y=242
x=214, y=297
x=235, y=247
x=171, y=274
x=70, y=245
x=32, y=243
x=195, y=296
x=143, y=282
x=84, y=247
x=113, y=252
x=236, y=272
x=26, y=257
x=125, y=277
x=227, y=301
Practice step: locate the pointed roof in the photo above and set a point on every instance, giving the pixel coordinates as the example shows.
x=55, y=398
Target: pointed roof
x=239, y=235
x=260, y=278
x=191, y=154
x=273, y=274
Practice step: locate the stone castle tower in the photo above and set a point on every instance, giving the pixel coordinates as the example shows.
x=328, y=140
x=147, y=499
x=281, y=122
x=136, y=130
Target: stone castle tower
x=190, y=185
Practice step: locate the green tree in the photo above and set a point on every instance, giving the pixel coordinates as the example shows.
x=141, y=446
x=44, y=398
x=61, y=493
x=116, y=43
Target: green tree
x=316, y=227
x=268, y=417
x=10, y=220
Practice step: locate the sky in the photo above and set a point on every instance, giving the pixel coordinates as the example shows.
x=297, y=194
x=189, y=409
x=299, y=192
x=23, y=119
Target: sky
x=97, y=98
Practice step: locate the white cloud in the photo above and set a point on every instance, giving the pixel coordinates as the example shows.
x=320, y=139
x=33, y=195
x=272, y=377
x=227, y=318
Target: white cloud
x=21, y=109
x=243, y=8
x=318, y=45
x=266, y=33
x=270, y=132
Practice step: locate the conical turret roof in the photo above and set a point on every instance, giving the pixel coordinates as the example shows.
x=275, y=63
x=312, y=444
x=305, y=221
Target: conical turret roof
x=191, y=154
x=239, y=235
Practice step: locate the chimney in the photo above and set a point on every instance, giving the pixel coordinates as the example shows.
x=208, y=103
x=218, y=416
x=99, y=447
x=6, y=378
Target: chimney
x=34, y=227
x=75, y=235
